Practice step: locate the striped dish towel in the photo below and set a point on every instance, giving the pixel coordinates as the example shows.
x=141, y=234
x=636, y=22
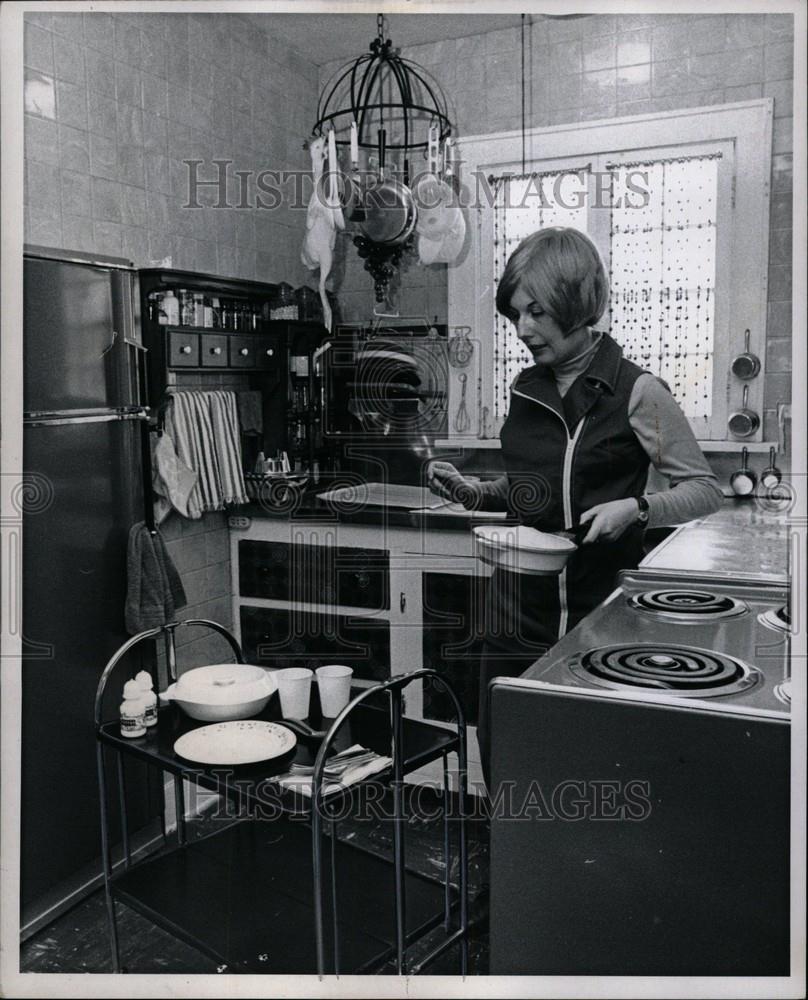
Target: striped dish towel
x=204, y=428
x=224, y=421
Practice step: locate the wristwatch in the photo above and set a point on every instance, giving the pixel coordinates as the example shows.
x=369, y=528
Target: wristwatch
x=642, y=516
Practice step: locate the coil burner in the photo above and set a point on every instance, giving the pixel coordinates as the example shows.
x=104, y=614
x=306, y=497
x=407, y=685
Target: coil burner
x=783, y=692
x=687, y=606
x=778, y=619
x=683, y=671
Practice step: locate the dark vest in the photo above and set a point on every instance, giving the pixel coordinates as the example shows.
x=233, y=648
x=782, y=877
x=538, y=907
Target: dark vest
x=563, y=456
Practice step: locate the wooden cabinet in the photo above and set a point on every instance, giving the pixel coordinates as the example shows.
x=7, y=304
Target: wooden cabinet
x=386, y=601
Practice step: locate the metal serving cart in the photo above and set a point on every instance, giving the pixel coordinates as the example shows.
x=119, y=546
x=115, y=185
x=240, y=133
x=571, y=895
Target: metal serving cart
x=253, y=894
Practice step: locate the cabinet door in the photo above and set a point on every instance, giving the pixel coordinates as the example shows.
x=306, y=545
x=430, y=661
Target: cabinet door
x=295, y=637
x=183, y=350
x=316, y=574
x=452, y=637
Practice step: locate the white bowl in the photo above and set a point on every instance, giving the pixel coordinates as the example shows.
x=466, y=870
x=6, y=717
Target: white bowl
x=222, y=692
x=519, y=549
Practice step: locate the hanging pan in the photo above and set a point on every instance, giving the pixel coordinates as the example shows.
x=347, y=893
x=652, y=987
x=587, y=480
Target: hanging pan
x=390, y=212
x=744, y=422
x=746, y=365
x=743, y=482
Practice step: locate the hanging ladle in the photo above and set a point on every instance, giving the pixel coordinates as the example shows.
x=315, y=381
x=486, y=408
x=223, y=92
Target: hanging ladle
x=771, y=475
x=746, y=365
x=743, y=482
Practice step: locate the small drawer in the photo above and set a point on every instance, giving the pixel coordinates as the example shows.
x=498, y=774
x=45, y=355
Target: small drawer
x=268, y=353
x=213, y=350
x=183, y=350
x=243, y=352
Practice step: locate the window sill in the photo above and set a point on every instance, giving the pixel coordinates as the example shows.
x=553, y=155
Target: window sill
x=706, y=446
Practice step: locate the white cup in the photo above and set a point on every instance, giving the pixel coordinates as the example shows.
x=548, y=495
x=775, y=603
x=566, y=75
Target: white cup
x=294, y=689
x=334, y=682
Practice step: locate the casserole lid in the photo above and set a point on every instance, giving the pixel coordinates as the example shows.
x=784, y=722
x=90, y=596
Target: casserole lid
x=224, y=684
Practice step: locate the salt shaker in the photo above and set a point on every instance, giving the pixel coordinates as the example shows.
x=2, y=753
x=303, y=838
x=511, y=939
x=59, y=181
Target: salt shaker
x=132, y=711
x=144, y=680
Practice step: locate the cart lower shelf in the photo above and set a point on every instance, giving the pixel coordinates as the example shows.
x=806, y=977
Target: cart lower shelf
x=244, y=897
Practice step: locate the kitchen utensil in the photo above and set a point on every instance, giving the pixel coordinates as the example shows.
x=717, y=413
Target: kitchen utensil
x=334, y=684
x=294, y=690
x=771, y=475
x=302, y=728
x=222, y=691
x=232, y=743
x=519, y=549
x=746, y=365
x=460, y=348
x=390, y=210
x=462, y=422
x=743, y=482
x=744, y=422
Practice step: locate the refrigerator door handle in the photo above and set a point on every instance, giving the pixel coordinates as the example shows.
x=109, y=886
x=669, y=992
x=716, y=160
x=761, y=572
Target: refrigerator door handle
x=57, y=420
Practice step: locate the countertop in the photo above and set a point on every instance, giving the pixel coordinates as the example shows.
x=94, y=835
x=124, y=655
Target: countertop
x=738, y=540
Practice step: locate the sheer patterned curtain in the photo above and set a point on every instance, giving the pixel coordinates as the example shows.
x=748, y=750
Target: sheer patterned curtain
x=662, y=273
x=523, y=204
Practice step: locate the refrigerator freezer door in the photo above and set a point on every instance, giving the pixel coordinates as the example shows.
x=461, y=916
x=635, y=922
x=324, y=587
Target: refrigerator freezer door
x=74, y=587
x=79, y=329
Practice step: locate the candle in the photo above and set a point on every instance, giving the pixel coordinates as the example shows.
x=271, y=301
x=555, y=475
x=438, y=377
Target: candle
x=354, y=145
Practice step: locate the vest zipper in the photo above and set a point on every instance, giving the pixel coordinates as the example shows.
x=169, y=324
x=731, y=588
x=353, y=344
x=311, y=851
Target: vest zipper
x=566, y=497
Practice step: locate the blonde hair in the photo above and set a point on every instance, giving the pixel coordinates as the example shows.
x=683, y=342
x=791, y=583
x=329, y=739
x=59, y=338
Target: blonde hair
x=561, y=269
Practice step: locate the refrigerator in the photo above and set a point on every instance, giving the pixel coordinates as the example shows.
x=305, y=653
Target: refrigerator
x=85, y=428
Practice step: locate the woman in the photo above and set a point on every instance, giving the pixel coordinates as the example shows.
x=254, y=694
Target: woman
x=583, y=425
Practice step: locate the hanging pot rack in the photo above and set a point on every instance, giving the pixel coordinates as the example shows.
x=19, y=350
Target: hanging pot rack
x=356, y=92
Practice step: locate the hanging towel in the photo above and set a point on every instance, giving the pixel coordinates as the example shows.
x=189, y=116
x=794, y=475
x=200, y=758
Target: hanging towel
x=204, y=429
x=154, y=588
x=172, y=480
x=251, y=411
x=227, y=446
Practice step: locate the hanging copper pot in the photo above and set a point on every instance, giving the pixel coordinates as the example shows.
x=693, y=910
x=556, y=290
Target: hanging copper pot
x=746, y=365
x=744, y=422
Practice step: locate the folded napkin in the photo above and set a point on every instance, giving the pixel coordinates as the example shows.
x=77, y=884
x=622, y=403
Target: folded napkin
x=154, y=589
x=302, y=783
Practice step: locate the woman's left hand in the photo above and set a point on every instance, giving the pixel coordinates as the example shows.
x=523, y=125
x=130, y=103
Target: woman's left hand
x=608, y=521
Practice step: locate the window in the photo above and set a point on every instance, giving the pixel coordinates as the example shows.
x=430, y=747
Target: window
x=677, y=205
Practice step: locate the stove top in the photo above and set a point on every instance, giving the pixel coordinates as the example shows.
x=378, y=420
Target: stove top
x=688, y=636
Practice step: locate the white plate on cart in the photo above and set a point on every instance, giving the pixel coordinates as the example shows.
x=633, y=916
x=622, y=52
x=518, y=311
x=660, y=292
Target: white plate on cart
x=246, y=742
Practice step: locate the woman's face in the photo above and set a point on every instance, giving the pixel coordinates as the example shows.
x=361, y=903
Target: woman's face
x=541, y=334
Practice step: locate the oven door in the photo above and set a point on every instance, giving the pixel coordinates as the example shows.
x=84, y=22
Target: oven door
x=637, y=838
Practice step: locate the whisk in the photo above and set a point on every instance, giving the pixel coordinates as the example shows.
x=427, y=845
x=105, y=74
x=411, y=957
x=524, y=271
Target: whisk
x=462, y=421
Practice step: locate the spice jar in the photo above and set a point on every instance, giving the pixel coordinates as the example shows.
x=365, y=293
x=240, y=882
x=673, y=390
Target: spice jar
x=133, y=711
x=144, y=680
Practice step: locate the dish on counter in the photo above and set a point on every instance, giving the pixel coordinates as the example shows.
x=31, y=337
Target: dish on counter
x=222, y=692
x=232, y=743
x=519, y=549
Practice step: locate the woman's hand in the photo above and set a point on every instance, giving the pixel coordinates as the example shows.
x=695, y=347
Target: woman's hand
x=444, y=480
x=608, y=521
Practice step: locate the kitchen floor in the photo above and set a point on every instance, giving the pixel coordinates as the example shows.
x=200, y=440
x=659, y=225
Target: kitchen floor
x=78, y=941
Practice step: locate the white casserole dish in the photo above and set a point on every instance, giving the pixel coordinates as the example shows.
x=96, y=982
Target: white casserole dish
x=519, y=549
x=222, y=692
